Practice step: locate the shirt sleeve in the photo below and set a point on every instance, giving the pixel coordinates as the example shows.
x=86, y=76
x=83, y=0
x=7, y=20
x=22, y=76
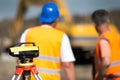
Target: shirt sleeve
x=105, y=48
x=23, y=36
x=66, y=50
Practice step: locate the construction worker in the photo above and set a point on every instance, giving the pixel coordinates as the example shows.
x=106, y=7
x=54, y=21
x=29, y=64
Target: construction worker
x=55, y=50
x=107, y=53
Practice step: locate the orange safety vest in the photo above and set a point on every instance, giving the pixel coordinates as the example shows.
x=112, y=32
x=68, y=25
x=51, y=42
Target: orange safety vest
x=114, y=41
x=49, y=41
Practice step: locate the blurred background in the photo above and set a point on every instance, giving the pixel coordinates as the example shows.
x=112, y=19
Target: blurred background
x=17, y=15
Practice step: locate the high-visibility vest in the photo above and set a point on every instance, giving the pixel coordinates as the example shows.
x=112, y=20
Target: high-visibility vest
x=114, y=41
x=49, y=42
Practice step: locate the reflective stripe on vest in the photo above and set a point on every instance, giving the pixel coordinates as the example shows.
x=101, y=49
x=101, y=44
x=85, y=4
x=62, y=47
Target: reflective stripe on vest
x=49, y=58
x=49, y=71
x=115, y=63
x=116, y=74
x=112, y=64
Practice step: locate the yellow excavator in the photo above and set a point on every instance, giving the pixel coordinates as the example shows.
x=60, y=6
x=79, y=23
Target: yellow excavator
x=82, y=35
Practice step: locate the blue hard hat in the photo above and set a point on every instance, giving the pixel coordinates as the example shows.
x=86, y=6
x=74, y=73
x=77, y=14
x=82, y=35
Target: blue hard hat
x=49, y=13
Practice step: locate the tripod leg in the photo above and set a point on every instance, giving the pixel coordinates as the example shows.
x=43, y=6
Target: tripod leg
x=38, y=77
x=17, y=74
x=35, y=73
x=13, y=77
x=16, y=77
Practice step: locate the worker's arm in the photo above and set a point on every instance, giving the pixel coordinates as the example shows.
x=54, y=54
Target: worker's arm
x=67, y=59
x=105, y=55
x=69, y=70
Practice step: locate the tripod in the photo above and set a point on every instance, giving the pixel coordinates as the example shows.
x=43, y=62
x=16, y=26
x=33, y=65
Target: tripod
x=24, y=69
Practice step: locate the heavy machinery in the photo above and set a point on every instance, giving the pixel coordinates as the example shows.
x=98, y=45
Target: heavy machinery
x=82, y=35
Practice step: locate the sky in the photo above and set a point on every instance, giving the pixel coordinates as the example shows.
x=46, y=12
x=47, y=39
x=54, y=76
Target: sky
x=88, y=6
x=8, y=8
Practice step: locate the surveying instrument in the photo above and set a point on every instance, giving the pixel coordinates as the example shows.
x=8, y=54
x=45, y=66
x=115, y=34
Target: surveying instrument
x=25, y=67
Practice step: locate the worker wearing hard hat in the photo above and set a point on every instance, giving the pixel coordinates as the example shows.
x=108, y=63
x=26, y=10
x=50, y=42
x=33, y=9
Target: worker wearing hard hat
x=107, y=53
x=55, y=50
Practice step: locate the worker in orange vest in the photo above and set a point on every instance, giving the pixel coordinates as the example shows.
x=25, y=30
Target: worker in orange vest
x=107, y=52
x=55, y=50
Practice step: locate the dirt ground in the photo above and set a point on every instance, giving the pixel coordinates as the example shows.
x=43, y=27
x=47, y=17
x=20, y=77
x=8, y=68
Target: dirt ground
x=8, y=64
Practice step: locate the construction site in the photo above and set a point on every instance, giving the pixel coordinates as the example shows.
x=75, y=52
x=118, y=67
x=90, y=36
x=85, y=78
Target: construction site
x=77, y=26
